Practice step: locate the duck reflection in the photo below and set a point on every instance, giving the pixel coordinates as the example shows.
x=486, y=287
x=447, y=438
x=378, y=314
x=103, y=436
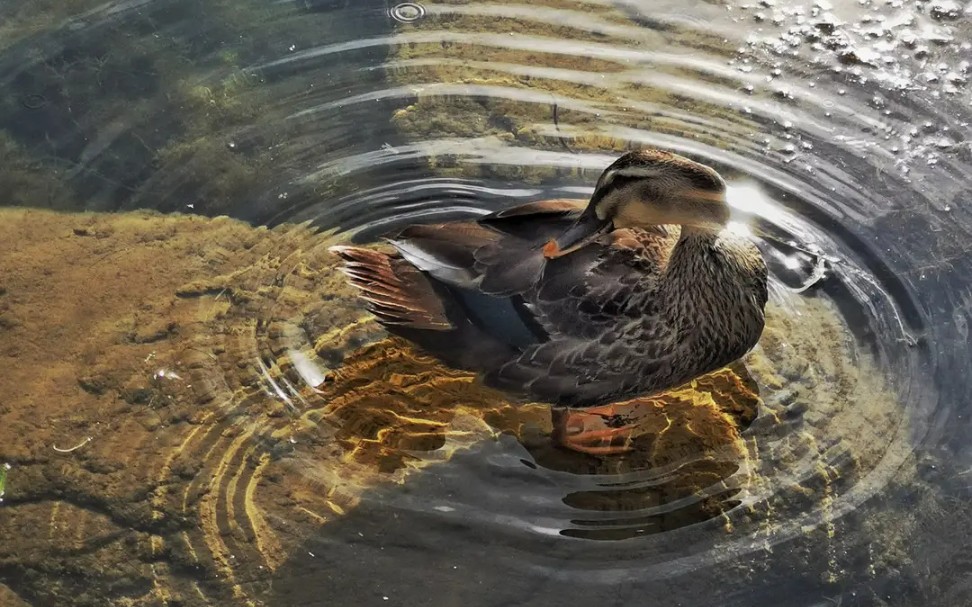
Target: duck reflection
x=394, y=407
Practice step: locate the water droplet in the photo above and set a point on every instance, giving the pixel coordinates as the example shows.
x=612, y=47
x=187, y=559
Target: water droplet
x=407, y=12
x=945, y=10
x=956, y=78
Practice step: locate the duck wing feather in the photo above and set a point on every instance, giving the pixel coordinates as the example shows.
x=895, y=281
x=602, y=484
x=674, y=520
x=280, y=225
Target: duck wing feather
x=499, y=254
x=608, y=334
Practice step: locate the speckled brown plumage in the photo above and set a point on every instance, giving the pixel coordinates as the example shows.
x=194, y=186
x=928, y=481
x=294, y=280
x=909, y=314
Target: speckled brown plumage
x=634, y=311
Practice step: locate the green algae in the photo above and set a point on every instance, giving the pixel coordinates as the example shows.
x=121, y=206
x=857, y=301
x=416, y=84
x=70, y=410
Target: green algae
x=4, y=469
x=143, y=119
x=30, y=181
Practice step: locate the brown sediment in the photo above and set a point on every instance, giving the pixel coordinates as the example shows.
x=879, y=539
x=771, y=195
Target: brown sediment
x=141, y=355
x=97, y=315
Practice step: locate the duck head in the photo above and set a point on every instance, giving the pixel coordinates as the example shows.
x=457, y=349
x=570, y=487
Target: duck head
x=644, y=188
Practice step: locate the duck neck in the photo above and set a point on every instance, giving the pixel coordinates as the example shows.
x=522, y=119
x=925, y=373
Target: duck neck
x=699, y=277
x=692, y=272
x=705, y=286
x=693, y=241
x=690, y=258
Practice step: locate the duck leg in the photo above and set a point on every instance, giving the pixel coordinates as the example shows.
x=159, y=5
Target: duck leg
x=604, y=430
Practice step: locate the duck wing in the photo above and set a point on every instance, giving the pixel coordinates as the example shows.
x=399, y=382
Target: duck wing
x=498, y=255
x=456, y=289
x=488, y=266
x=607, y=334
x=577, y=325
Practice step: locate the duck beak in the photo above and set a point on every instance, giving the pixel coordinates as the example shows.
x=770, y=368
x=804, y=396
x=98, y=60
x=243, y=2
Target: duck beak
x=584, y=231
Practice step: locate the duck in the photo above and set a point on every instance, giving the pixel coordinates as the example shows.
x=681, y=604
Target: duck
x=584, y=305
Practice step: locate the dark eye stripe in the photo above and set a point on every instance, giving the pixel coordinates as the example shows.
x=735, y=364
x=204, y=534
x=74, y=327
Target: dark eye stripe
x=699, y=176
x=615, y=184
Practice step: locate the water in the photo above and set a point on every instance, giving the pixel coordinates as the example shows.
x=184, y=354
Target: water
x=258, y=441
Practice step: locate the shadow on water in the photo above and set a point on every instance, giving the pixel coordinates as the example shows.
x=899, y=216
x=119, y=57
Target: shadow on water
x=380, y=552
x=289, y=453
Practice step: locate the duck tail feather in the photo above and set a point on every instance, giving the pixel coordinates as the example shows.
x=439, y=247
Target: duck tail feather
x=421, y=309
x=393, y=290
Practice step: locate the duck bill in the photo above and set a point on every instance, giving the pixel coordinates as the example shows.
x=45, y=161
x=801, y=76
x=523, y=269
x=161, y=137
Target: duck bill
x=584, y=231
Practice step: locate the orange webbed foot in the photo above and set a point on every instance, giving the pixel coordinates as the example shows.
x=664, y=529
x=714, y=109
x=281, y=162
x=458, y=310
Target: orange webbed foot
x=605, y=430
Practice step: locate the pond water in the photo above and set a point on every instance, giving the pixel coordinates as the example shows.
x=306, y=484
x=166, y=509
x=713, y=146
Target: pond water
x=248, y=435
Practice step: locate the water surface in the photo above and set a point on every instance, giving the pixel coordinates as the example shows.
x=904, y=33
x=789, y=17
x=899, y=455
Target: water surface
x=279, y=450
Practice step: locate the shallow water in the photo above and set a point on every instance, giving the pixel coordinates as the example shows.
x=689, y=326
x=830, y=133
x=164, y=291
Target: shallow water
x=281, y=451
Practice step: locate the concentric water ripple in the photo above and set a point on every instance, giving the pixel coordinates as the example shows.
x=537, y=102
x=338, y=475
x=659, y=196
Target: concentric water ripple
x=321, y=460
